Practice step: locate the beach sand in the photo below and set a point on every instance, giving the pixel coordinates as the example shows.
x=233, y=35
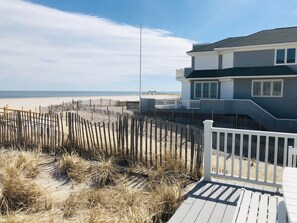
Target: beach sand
x=34, y=103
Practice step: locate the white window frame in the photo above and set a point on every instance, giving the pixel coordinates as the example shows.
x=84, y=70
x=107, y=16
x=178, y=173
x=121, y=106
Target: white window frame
x=271, y=90
x=286, y=51
x=202, y=82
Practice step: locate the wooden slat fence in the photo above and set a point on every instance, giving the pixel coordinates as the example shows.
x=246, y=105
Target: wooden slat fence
x=144, y=141
x=141, y=140
x=31, y=130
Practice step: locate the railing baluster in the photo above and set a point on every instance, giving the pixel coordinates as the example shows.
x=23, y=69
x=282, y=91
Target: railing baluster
x=233, y=151
x=240, y=155
x=285, y=151
x=249, y=156
x=266, y=157
x=257, y=157
x=225, y=152
x=218, y=150
x=275, y=158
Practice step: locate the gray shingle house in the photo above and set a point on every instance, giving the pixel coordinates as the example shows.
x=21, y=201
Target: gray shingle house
x=254, y=75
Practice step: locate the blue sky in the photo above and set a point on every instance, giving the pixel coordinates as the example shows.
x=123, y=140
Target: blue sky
x=94, y=44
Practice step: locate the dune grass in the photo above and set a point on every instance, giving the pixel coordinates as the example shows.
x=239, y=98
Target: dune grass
x=105, y=200
x=18, y=193
x=74, y=167
x=122, y=204
x=171, y=172
x=106, y=173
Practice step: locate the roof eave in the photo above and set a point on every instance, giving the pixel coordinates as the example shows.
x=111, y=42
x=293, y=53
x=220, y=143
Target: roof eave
x=218, y=49
x=244, y=77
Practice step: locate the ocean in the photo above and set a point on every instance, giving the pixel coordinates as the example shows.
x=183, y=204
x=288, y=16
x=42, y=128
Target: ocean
x=45, y=94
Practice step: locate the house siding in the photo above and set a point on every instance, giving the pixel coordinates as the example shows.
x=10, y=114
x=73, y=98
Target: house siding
x=255, y=58
x=283, y=107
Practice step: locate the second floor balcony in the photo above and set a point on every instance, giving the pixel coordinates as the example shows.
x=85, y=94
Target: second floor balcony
x=182, y=73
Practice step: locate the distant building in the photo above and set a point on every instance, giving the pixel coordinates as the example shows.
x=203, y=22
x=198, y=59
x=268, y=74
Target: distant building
x=252, y=75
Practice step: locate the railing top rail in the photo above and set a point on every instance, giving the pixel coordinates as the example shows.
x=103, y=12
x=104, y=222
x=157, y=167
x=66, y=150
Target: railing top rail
x=254, y=132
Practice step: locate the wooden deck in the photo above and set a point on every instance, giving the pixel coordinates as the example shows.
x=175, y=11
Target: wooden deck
x=216, y=201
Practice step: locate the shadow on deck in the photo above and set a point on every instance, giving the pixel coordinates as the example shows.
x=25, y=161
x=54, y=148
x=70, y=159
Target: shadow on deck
x=216, y=201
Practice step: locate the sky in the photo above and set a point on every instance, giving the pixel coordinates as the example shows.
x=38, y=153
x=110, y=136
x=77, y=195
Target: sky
x=94, y=44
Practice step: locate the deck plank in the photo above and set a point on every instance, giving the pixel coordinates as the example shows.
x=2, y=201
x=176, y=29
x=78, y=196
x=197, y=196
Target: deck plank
x=253, y=214
x=184, y=208
x=216, y=201
x=231, y=205
x=263, y=207
x=210, y=204
x=242, y=215
x=220, y=208
x=272, y=209
x=199, y=203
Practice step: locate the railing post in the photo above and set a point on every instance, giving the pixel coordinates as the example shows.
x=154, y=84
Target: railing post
x=207, y=149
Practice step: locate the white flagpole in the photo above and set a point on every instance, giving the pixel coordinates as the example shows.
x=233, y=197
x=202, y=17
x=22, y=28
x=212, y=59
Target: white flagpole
x=140, y=52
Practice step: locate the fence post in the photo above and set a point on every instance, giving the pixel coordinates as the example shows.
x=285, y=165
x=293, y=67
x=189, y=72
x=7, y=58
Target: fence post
x=207, y=149
x=19, y=126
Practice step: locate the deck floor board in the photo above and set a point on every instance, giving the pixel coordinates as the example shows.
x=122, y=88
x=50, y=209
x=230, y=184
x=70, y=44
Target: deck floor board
x=214, y=201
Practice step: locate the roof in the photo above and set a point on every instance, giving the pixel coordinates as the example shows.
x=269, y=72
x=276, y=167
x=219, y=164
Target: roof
x=243, y=72
x=270, y=36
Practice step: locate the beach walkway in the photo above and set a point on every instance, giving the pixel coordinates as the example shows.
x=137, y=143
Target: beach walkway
x=217, y=201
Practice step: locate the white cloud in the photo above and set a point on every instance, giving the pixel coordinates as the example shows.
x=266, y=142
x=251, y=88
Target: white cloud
x=42, y=48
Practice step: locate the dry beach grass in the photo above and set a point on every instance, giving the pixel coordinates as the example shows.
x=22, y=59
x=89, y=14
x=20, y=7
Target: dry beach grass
x=90, y=192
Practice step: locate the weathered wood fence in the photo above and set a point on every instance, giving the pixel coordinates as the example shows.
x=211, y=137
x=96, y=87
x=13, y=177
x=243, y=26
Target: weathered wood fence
x=149, y=142
x=144, y=141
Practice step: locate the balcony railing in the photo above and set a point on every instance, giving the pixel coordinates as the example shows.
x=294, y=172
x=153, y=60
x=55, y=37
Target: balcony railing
x=194, y=104
x=168, y=103
x=261, y=154
x=182, y=73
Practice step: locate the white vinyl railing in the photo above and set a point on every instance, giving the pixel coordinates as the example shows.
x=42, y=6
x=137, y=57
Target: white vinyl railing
x=168, y=103
x=248, y=155
x=194, y=104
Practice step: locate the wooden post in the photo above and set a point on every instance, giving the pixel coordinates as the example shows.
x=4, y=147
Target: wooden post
x=170, y=146
x=69, y=128
x=207, y=149
x=19, y=126
x=105, y=140
x=141, y=139
x=165, y=139
x=113, y=138
x=151, y=141
x=97, y=136
x=87, y=134
x=161, y=147
x=136, y=139
x=192, y=150
x=186, y=147
x=132, y=137
x=100, y=136
x=109, y=138
x=156, y=143
x=146, y=135
x=127, y=134
x=181, y=144
x=175, y=145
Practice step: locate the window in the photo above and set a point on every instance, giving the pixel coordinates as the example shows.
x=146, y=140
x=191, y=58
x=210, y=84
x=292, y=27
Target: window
x=206, y=89
x=213, y=90
x=198, y=90
x=291, y=55
x=285, y=56
x=267, y=88
x=256, y=88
